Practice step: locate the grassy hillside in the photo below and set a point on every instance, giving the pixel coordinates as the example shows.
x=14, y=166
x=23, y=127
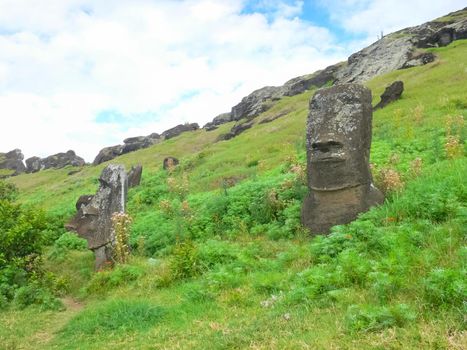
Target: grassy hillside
x=220, y=260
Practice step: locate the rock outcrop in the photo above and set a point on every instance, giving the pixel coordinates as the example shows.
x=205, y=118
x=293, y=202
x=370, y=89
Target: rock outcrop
x=236, y=130
x=130, y=144
x=219, y=120
x=338, y=152
x=392, y=93
x=179, y=129
x=33, y=164
x=107, y=153
x=56, y=161
x=11, y=163
x=93, y=219
x=399, y=50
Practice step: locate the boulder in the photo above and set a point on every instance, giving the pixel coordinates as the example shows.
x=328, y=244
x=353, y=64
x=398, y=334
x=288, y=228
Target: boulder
x=392, y=93
x=219, y=120
x=61, y=160
x=170, y=163
x=177, y=130
x=135, y=143
x=12, y=163
x=419, y=60
x=318, y=79
x=33, y=164
x=107, y=154
x=236, y=130
x=134, y=176
x=93, y=220
x=338, y=151
x=257, y=102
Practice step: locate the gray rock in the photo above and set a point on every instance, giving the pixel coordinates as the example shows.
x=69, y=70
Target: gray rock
x=318, y=79
x=170, y=163
x=392, y=93
x=236, y=130
x=257, y=102
x=219, y=120
x=107, y=154
x=179, y=129
x=338, y=151
x=12, y=163
x=60, y=160
x=419, y=60
x=134, y=176
x=396, y=51
x=383, y=56
x=93, y=219
x=135, y=143
x=33, y=164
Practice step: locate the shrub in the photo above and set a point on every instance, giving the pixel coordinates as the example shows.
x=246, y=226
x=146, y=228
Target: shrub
x=446, y=287
x=185, y=261
x=105, y=280
x=367, y=318
x=115, y=315
x=34, y=294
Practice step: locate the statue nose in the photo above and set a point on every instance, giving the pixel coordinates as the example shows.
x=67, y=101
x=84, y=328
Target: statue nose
x=326, y=146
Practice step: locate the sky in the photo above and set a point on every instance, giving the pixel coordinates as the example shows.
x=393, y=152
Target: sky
x=86, y=74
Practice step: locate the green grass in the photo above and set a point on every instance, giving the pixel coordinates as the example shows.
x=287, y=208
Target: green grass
x=219, y=261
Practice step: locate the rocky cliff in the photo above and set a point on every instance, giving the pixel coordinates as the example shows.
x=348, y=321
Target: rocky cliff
x=398, y=50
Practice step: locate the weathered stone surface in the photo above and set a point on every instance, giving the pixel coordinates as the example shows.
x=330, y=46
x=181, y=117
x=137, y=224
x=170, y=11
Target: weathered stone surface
x=134, y=176
x=419, y=60
x=236, y=130
x=61, y=160
x=396, y=51
x=169, y=163
x=338, y=151
x=219, y=120
x=135, y=143
x=33, y=164
x=392, y=93
x=84, y=199
x=107, y=153
x=93, y=219
x=257, y=102
x=177, y=130
x=56, y=161
x=318, y=79
x=381, y=57
x=12, y=163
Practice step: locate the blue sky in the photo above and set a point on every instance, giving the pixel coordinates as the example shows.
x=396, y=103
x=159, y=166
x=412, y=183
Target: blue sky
x=85, y=74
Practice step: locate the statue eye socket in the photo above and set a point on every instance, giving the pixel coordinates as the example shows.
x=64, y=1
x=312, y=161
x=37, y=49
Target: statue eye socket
x=326, y=146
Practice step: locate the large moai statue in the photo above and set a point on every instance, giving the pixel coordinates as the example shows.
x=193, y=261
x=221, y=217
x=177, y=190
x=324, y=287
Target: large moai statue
x=93, y=221
x=338, y=152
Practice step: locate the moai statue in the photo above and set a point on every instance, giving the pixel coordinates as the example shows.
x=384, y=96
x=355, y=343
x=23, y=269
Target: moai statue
x=338, y=152
x=134, y=176
x=93, y=221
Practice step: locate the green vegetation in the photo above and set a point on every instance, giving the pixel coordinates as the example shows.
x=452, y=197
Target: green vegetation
x=219, y=259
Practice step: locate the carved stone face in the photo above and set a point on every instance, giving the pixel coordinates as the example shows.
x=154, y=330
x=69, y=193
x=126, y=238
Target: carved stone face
x=339, y=137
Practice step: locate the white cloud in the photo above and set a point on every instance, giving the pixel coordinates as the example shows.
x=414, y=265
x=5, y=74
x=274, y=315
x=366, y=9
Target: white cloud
x=62, y=62
x=370, y=17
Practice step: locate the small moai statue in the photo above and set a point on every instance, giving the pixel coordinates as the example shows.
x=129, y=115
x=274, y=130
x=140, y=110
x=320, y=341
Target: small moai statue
x=338, y=151
x=93, y=221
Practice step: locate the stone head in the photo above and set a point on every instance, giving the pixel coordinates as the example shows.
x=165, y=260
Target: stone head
x=339, y=137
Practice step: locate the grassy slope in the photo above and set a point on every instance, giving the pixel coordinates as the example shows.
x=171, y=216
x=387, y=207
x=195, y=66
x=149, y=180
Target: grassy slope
x=222, y=308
